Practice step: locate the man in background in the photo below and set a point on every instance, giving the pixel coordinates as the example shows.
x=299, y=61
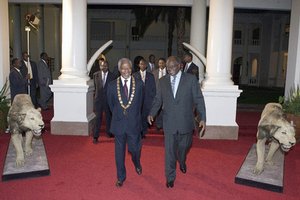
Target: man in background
x=158, y=74
x=149, y=92
x=151, y=64
x=44, y=77
x=18, y=83
x=190, y=67
x=29, y=68
x=101, y=80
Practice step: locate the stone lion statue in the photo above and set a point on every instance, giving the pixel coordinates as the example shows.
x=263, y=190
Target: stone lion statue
x=23, y=118
x=274, y=128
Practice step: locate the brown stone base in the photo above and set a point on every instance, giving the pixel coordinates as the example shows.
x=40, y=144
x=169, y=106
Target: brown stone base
x=221, y=132
x=72, y=128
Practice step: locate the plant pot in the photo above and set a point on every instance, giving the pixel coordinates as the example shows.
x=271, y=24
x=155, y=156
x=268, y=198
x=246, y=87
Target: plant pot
x=296, y=121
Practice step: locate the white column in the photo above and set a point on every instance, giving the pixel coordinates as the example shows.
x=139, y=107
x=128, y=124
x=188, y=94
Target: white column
x=73, y=93
x=4, y=42
x=219, y=92
x=198, y=33
x=293, y=65
x=219, y=47
x=74, y=44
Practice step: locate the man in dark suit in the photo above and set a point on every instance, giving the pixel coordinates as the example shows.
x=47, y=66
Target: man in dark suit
x=149, y=92
x=158, y=74
x=190, y=67
x=178, y=93
x=29, y=68
x=101, y=80
x=44, y=76
x=151, y=64
x=18, y=83
x=125, y=99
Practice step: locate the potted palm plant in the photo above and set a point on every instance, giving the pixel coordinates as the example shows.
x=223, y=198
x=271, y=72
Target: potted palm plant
x=4, y=106
x=291, y=107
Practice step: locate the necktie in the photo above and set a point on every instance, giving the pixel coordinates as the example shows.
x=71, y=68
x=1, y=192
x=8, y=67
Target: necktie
x=160, y=73
x=103, y=79
x=173, y=85
x=126, y=88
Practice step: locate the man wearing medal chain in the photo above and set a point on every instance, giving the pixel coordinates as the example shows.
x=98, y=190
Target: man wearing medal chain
x=125, y=98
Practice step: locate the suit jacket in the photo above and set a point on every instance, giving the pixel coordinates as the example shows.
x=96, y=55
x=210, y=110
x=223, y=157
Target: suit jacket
x=149, y=68
x=44, y=74
x=100, y=91
x=18, y=84
x=130, y=122
x=193, y=69
x=178, y=115
x=156, y=75
x=149, y=90
x=24, y=72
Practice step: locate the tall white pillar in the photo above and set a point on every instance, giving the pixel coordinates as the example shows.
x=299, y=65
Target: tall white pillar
x=74, y=44
x=219, y=92
x=73, y=92
x=198, y=33
x=293, y=65
x=4, y=42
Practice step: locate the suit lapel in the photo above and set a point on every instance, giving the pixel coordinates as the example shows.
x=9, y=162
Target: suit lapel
x=169, y=86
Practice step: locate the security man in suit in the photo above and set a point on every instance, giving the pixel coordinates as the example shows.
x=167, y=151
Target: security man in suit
x=29, y=69
x=44, y=76
x=190, y=67
x=125, y=99
x=101, y=79
x=18, y=83
x=177, y=93
x=149, y=92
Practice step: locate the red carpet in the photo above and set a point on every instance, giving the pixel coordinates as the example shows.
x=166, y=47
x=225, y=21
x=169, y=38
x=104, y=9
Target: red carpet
x=80, y=170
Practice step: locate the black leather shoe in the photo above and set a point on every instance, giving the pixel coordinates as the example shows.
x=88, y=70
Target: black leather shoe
x=183, y=169
x=110, y=135
x=119, y=183
x=95, y=141
x=139, y=170
x=170, y=184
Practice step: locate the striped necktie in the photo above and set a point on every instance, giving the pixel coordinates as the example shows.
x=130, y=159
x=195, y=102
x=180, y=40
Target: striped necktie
x=173, y=84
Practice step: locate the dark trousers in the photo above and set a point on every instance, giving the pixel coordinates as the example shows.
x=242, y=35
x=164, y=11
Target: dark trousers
x=134, y=147
x=33, y=93
x=176, y=148
x=99, y=109
x=159, y=119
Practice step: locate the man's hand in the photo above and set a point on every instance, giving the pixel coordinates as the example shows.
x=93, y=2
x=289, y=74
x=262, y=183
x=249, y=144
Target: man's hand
x=150, y=119
x=202, y=127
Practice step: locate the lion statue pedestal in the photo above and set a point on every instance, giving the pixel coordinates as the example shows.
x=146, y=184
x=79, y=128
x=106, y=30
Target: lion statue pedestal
x=263, y=166
x=25, y=156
